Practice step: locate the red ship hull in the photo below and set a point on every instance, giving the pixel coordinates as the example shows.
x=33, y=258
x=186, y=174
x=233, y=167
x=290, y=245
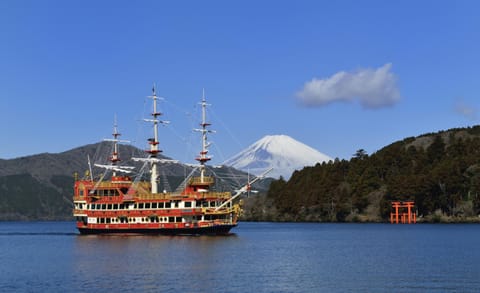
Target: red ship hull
x=213, y=230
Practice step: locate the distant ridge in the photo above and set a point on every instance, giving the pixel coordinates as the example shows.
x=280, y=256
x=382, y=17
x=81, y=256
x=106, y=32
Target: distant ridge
x=40, y=187
x=280, y=152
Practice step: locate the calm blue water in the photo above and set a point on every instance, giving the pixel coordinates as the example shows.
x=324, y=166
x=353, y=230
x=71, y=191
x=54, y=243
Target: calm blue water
x=260, y=257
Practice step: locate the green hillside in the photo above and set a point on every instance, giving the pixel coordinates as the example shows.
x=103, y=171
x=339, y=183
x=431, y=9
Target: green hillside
x=439, y=171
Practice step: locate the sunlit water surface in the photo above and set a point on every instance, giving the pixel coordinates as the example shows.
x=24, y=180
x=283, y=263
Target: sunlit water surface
x=259, y=257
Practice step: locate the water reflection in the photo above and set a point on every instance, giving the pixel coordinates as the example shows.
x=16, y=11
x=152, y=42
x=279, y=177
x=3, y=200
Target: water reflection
x=149, y=263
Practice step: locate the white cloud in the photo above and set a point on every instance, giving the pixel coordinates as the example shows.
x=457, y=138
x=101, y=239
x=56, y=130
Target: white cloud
x=373, y=88
x=465, y=110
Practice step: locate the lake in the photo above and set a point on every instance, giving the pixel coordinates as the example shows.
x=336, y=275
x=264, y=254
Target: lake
x=259, y=257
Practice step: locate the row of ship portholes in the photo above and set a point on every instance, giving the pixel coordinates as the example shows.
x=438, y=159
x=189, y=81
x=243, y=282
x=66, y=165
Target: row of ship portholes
x=161, y=205
x=139, y=220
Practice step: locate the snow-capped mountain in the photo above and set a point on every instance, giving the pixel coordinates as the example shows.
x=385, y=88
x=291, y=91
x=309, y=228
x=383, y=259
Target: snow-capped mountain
x=280, y=152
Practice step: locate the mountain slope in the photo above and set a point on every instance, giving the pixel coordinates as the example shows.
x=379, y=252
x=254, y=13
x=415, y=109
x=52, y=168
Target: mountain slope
x=39, y=187
x=280, y=152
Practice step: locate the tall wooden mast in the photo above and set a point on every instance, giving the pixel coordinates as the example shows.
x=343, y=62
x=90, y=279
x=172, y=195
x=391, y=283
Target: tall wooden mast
x=114, y=158
x=154, y=148
x=203, y=158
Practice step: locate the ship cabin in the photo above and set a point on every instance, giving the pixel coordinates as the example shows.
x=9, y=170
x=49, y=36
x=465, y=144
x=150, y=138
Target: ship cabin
x=122, y=201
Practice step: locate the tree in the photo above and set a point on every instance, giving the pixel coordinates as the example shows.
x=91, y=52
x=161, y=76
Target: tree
x=360, y=154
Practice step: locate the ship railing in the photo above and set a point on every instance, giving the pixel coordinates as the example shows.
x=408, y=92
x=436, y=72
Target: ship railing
x=198, y=180
x=106, y=184
x=153, y=195
x=212, y=211
x=220, y=222
x=212, y=194
x=79, y=213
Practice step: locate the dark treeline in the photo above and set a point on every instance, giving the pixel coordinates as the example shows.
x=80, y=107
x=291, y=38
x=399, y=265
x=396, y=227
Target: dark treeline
x=440, y=172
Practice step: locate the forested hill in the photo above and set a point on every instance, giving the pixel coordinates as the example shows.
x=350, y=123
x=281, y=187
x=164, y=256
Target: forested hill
x=439, y=171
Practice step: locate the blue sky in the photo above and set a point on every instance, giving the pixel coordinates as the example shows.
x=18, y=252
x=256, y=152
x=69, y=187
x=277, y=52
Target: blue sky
x=335, y=75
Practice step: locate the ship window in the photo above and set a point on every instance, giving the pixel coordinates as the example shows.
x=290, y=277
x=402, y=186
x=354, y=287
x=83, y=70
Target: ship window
x=205, y=204
x=160, y=205
x=92, y=206
x=124, y=190
x=147, y=205
x=171, y=219
x=212, y=203
x=104, y=206
x=81, y=192
x=121, y=206
x=140, y=205
x=154, y=205
x=109, y=206
x=178, y=219
x=188, y=204
x=167, y=205
x=115, y=206
x=108, y=220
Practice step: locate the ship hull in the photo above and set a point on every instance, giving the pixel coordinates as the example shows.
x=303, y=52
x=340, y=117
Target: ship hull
x=212, y=230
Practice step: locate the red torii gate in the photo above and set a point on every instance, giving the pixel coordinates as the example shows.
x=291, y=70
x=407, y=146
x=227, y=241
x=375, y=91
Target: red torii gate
x=406, y=217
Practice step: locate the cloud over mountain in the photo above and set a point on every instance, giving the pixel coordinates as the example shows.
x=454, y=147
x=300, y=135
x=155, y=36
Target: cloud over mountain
x=373, y=88
x=467, y=111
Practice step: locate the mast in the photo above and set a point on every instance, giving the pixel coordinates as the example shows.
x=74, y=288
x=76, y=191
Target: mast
x=115, y=157
x=154, y=150
x=203, y=158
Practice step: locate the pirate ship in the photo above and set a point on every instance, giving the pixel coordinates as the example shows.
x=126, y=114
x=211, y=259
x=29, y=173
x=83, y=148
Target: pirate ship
x=124, y=205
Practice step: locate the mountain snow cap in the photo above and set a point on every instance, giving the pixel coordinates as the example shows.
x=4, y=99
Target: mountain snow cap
x=280, y=152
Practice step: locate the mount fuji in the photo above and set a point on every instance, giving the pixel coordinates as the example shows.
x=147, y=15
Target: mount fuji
x=280, y=152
